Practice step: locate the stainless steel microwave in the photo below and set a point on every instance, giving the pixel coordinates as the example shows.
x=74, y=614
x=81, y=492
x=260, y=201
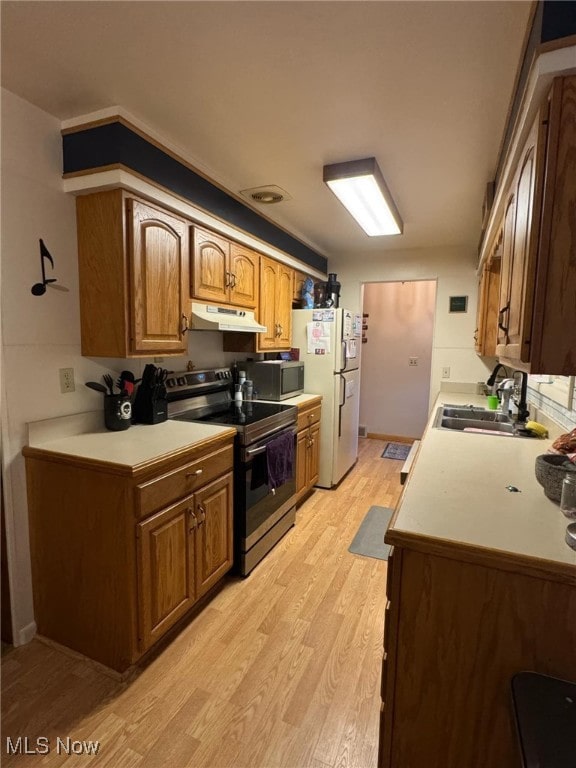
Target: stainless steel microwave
x=276, y=379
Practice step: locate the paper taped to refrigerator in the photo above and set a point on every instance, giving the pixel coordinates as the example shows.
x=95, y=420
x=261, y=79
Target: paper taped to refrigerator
x=318, y=338
x=350, y=388
x=323, y=315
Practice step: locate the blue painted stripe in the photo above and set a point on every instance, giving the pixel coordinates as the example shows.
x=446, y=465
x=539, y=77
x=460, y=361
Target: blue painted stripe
x=116, y=143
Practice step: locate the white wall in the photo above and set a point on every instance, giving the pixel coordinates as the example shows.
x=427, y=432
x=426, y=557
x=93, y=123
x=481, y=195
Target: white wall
x=454, y=269
x=42, y=334
x=393, y=394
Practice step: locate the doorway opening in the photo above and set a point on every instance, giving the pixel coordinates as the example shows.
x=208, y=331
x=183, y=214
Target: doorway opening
x=398, y=325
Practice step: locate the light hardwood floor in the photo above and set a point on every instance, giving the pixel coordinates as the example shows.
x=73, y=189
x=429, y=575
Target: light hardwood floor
x=280, y=670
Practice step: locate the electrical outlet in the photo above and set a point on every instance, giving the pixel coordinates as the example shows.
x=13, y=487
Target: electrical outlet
x=446, y=372
x=67, y=380
x=412, y=361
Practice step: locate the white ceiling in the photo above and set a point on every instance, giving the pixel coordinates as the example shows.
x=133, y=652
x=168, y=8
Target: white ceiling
x=257, y=93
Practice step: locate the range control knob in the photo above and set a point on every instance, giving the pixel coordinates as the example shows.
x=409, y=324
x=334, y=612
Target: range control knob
x=170, y=383
x=182, y=381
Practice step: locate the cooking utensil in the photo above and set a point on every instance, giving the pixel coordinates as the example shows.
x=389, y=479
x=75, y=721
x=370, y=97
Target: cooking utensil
x=96, y=387
x=126, y=382
x=109, y=381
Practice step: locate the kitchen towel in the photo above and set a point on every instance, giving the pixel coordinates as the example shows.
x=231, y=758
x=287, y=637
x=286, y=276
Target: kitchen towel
x=280, y=459
x=369, y=540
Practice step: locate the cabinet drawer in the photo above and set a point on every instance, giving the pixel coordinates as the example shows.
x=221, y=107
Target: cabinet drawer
x=165, y=489
x=308, y=417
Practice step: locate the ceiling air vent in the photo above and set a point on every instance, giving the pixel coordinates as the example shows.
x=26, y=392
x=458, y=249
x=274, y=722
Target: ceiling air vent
x=266, y=195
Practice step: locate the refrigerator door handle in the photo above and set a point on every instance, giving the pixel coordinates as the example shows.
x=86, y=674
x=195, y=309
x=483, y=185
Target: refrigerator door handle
x=343, y=359
x=341, y=404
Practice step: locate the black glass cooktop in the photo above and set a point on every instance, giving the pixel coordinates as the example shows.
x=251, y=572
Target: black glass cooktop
x=234, y=415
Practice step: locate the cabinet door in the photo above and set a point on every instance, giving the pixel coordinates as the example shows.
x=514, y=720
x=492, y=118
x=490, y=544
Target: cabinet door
x=211, y=276
x=267, y=305
x=284, y=291
x=553, y=348
x=519, y=260
x=313, y=456
x=488, y=306
x=214, y=553
x=158, y=281
x=166, y=569
x=520, y=274
x=244, y=275
x=505, y=275
x=301, y=461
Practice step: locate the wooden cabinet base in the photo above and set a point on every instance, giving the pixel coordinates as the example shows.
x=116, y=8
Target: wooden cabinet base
x=108, y=582
x=457, y=633
x=307, y=448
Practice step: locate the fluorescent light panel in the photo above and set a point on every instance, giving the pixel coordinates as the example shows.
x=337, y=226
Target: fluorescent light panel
x=360, y=187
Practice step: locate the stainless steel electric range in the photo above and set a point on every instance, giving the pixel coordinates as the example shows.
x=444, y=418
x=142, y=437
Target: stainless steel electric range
x=261, y=515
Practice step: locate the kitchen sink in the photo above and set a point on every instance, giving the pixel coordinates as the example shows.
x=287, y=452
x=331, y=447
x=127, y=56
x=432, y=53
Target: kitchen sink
x=451, y=422
x=478, y=414
x=459, y=419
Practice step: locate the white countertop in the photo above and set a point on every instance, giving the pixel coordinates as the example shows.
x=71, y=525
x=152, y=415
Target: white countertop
x=457, y=492
x=140, y=444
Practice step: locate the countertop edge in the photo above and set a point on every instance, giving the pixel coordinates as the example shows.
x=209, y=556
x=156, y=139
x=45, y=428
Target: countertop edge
x=129, y=470
x=479, y=555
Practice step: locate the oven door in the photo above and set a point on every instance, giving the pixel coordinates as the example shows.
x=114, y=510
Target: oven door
x=259, y=511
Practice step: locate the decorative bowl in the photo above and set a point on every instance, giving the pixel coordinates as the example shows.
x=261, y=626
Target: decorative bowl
x=551, y=469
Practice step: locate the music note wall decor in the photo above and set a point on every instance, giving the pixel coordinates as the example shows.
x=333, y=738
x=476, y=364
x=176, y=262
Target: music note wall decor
x=39, y=289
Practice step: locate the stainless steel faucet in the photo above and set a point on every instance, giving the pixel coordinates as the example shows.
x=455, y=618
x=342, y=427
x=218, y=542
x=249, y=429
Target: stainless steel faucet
x=520, y=387
x=506, y=389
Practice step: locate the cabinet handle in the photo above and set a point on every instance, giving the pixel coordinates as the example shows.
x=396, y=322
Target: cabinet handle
x=501, y=318
x=193, y=521
x=184, y=325
x=232, y=280
x=280, y=331
x=476, y=335
x=201, y=514
x=194, y=474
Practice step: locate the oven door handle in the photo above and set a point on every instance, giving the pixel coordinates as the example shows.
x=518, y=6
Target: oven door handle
x=255, y=451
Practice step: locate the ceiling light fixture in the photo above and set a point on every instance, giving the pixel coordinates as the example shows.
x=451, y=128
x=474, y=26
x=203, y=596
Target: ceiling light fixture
x=360, y=187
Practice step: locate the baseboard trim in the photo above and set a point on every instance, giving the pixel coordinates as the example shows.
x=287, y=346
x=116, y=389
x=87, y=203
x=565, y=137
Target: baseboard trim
x=392, y=438
x=25, y=634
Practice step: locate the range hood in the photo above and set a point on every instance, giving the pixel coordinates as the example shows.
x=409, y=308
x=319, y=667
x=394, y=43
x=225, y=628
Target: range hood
x=207, y=317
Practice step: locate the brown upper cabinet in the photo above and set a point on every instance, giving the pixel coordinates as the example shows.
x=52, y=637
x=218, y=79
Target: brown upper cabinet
x=275, y=311
x=520, y=247
x=133, y=261
x=224, y=272
x=488, y=305
x=536, y=328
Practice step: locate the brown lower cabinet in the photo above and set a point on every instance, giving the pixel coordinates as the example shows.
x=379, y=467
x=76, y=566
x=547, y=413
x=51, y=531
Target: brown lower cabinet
x=456, y=631
x=121, y=554
x=308, y=447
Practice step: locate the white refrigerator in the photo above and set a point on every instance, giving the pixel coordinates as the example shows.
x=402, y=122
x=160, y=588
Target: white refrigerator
x=329, y=343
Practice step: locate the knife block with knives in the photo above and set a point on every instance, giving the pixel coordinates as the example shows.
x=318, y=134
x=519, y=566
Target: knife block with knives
x=150, y=405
